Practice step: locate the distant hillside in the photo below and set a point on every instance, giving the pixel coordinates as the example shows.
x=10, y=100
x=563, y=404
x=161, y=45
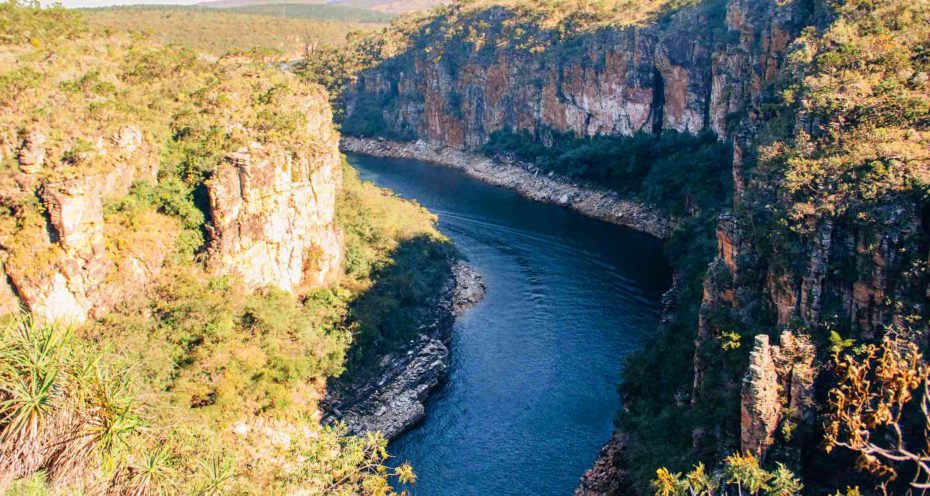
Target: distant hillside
x=218, y=32
x=339, y=13
x=231, y=4
x=395, y=7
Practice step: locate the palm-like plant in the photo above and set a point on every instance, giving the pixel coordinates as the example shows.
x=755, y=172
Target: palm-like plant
x=216, y=473
x=153, y=475
x=31, y=376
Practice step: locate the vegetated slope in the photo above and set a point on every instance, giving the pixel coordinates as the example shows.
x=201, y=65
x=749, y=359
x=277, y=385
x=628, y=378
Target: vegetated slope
x=394, y=6
x=223, y=4
x=219, y=32
x=186, y=216
x=335, y=13
x=789, y=141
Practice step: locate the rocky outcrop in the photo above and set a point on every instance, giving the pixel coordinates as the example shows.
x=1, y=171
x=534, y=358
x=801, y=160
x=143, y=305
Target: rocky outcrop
x=608, y=476
x=273, y=218
x=526, y=179
x=778, y=386
x=692, y=71
x=272, y=210
x=62, y=270
x=391, y=398
x=760, y=405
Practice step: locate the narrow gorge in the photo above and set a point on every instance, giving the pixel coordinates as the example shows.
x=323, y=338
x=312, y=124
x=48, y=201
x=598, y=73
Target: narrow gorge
x=786, y=238
x=590, y=247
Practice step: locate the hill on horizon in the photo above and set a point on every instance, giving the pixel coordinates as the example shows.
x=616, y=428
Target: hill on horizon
x=322, y=12
x=218, y=31
x=395, y=7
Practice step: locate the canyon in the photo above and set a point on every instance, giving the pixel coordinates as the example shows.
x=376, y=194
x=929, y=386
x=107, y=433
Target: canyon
x=712, y=67
x=195, y=218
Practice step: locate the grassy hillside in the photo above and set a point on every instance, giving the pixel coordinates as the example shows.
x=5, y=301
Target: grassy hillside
x=218, y=32
x=334, y=13
x=195, y=385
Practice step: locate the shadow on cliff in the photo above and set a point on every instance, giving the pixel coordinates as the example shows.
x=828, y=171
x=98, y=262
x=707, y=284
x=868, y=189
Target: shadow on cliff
x=408, y=294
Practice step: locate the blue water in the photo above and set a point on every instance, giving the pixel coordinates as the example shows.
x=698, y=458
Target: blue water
x=531, y=392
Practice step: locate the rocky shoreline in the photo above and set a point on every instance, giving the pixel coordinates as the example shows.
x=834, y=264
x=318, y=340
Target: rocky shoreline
x=526, y=179
x=391, y=400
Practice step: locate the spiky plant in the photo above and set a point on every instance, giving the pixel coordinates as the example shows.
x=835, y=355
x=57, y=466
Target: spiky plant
x=31, y=376
x=154, y=475
x=215, y=476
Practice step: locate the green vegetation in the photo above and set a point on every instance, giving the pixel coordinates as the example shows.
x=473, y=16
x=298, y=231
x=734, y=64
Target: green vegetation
x=322, y=12
x=83, y=416
x=219, y=32
x=741, y=473
x=395, y=252
x=680, y=172
x=192, y=384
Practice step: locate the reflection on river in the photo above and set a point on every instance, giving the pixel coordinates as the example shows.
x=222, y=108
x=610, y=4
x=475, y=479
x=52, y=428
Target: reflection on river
x=531, y=392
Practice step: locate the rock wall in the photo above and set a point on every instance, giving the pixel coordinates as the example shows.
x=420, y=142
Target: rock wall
x=778, y=386
x=692, y=71
x=60, y=268
x=273, y=216
x=271, y=219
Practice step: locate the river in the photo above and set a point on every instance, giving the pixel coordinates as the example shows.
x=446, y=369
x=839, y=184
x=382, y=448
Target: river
x=531, y=392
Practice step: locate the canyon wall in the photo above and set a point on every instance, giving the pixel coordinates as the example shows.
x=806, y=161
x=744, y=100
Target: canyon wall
x=273, y=212
x=716, y=66
x=696, y=69
x=270, y=220
x=67, y=265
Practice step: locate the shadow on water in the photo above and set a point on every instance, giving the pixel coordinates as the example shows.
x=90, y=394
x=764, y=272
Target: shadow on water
x=531, y=391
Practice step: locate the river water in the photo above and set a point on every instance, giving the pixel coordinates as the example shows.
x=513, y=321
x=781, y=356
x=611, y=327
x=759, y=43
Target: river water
x=531, y=392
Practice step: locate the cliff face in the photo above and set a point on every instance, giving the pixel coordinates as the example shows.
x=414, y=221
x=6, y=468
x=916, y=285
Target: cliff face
x=78, y=239
x=688, y=72
x=717, y=66
x=59, y=267
x=273, y=212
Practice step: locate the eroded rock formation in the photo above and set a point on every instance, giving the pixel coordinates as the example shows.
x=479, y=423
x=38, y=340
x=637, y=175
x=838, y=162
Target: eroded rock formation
x=273, y=217
x=778, y=387
x=59, y=268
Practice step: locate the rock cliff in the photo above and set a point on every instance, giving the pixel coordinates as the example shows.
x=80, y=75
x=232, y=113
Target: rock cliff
x=694, y=70
x=59, y=267
x=72, y=250
x=711, y=66
x=273, y=212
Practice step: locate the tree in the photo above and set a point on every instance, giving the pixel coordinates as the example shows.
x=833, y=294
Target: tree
x=741, y=471
x=880, y=409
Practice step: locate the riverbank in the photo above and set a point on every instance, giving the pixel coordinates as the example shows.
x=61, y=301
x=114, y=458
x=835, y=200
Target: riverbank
x=391, y=399
x=609, y=475
x=591, y=200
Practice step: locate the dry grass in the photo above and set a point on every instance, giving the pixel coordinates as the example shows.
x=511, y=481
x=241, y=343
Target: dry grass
x=217, y=32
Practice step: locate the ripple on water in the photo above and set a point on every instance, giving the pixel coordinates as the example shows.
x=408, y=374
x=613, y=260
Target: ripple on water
x=531, y=391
